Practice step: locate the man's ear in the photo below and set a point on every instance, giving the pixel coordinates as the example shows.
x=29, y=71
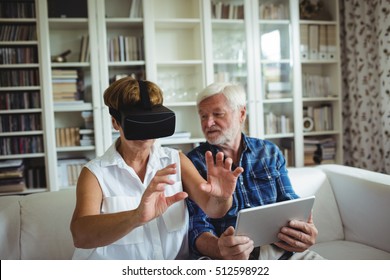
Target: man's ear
x=242, y=114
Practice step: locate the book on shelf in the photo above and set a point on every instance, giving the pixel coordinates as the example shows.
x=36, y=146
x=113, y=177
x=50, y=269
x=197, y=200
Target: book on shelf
x=287, y=147
x=135, y=9
x=18, y=185
x=84, y=49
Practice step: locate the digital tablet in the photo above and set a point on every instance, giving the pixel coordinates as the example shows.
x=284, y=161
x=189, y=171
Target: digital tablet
x=263, y=223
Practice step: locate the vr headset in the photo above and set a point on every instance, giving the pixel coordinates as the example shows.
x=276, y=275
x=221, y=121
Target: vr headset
x=144, y=121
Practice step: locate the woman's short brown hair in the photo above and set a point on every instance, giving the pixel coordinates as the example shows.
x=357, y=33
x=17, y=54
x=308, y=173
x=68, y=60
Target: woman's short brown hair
x=125, y=92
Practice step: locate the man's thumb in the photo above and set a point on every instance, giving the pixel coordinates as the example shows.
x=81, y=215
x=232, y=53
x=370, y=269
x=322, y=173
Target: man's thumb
x=229, y=231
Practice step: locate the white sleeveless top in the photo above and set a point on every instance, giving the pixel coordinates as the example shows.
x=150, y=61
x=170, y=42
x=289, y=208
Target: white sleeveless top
x=165, y=237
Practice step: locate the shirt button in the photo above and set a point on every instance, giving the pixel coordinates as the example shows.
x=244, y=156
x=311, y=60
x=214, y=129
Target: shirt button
x=269, y=177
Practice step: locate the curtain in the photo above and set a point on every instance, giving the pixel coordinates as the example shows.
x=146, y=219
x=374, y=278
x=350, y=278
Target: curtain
x=365, y=60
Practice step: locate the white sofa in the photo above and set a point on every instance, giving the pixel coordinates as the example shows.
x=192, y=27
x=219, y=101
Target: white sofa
x=351, y=212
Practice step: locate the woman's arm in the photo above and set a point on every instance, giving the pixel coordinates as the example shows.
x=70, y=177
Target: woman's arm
x=214, y=196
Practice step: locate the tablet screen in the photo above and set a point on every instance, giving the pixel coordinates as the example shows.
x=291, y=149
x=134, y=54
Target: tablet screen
x=263, y=223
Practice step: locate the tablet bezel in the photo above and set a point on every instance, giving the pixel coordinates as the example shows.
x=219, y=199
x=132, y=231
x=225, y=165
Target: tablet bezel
x=263, y=223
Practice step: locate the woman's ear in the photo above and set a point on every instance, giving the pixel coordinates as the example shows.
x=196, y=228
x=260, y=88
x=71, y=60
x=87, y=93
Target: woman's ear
x=115, y=123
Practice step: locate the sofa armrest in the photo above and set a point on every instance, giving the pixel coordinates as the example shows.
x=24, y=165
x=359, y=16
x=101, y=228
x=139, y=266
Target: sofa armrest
x=363, y=200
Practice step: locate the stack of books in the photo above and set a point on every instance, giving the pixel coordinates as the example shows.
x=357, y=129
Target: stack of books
x=66, y=88
x=12, y=176
x=319, y=150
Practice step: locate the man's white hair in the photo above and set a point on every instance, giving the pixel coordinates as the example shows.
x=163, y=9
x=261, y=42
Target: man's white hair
x=234, y=93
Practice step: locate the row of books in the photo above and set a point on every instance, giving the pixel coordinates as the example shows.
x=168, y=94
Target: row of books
x=17, y=9
x=318, y=41
x=275, y=124
x=273, y=11
x=20, y=122
x=20, y=100
x=322, y=117
x=316, y=85
x=126, y=48
x=67, y=136
x=18, y=55
x=222, y=10
x=69, y=171
x=20, y=32
x=19, y=78
x=21, y=145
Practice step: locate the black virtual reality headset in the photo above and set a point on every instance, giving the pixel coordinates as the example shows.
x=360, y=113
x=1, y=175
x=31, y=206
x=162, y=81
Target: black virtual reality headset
x=144, y=121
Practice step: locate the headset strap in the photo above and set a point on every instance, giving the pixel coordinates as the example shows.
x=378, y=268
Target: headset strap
x=145, y=99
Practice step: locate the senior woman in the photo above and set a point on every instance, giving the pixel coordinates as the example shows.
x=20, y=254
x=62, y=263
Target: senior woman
x=130, y=201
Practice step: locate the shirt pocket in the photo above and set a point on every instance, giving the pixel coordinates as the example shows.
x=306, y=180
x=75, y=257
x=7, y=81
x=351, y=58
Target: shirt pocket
x=116, y=204
x=266, y=182
x=175, y=217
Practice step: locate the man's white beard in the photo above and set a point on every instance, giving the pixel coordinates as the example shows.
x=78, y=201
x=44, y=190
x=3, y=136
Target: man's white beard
x=226, y=137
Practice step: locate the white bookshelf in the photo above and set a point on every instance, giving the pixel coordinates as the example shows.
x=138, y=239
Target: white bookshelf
x=186, y=46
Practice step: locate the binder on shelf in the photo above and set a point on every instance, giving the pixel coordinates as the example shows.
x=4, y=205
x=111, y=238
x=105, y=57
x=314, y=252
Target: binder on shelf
x=304, y=41
x=313, y=41
x=323, y=45
x=331, y=38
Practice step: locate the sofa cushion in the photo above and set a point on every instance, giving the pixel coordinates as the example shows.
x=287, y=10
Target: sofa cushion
x=325, y=211
x=349, y=250
x=42, y=235
x=360, y=194
x=10, y=228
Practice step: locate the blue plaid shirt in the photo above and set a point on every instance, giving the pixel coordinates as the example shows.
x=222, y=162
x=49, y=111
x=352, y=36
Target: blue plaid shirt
x=263, y=181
